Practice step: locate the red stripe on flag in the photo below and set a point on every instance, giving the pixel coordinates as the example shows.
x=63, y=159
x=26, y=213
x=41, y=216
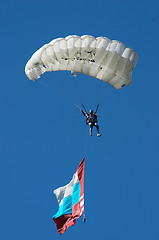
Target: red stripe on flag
x=80, y=172
x=63, y=222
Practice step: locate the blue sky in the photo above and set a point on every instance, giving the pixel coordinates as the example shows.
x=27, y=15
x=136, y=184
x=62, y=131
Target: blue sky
x=43, y=136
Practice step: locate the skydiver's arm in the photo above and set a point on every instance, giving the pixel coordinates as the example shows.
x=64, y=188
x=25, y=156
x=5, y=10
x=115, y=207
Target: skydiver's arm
x=83, y=113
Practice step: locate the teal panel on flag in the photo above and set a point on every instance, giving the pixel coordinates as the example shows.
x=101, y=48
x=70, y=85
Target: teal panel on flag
x=76, y=193
x=68, y=202
x=65, y=207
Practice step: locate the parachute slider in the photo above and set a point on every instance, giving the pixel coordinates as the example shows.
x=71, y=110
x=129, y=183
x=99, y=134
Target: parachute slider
x=74, y=73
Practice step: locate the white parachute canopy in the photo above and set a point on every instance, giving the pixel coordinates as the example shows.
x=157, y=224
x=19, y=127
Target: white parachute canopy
x=109, y=61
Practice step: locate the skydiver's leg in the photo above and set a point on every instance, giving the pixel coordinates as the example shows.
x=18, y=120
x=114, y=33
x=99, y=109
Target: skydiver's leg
x=90, y=130
x=97, y=127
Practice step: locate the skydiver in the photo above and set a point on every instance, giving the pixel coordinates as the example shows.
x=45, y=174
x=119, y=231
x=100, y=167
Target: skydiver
x=91, y=120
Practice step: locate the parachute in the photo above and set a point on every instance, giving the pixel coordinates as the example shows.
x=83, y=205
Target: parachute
x=107, y=60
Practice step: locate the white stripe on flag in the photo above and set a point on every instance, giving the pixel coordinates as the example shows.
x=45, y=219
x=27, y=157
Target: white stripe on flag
x=81, y=203
x=82, y=197
x=82, y=210
x=65, y=191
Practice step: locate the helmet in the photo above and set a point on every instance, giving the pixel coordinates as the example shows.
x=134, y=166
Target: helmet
x=91, y=111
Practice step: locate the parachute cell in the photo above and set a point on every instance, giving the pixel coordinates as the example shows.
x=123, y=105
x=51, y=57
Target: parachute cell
x=107, y=60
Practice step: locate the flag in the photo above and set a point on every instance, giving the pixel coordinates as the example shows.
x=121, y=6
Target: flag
x=71, y=200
